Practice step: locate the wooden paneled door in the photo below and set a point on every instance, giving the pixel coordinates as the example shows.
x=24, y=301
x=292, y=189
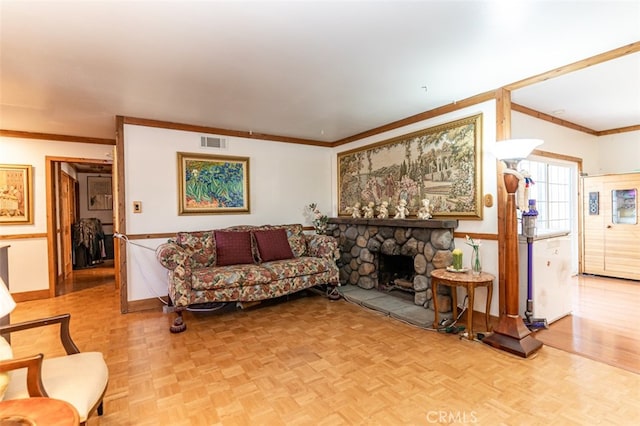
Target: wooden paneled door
x=611, y=230
x=67, y=219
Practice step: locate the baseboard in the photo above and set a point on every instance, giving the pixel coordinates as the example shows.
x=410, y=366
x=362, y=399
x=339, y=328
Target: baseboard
x=145, y=304
x=26, y=296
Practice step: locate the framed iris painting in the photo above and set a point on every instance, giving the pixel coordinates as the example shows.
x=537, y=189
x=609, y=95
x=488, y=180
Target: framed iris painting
x=212, y=184
x=442, y=164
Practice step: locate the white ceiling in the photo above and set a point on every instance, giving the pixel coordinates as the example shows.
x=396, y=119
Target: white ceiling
x=321, y=70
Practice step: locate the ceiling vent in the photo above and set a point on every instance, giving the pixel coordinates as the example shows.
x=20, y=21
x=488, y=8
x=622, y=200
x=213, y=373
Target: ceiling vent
x=210, y=142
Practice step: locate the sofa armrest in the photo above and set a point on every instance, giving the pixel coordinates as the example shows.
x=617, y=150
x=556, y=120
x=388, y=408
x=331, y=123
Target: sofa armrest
x=324, y=246
x=171, y=255
x=177, y=260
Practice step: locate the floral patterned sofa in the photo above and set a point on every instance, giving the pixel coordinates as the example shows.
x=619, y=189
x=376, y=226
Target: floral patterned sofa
x=245, y=264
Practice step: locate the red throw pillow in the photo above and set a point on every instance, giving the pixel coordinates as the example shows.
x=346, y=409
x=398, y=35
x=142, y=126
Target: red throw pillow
x=273, y=244
x=233, y=248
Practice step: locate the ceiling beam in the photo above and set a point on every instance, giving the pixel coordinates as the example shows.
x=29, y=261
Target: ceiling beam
x=546, y=117
x=576, y=66
x=218, y=131
x=454, y=106
x=55, y=137
x=619, y=130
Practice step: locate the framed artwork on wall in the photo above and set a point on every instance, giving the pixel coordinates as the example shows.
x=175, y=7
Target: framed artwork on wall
x=212, y=184
x=442, y=164
x=99, y=193
x=16, y=194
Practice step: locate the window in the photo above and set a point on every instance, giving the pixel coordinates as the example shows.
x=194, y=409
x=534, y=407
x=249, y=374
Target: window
x=553, y=187
x=624, y=206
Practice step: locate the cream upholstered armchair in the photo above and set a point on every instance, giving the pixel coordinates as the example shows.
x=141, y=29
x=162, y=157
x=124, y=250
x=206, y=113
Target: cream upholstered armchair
x=79, y=378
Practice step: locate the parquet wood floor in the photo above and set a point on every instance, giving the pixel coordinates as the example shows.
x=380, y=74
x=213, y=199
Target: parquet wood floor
x=600, y=327
x=102, y=273
x=310, y=361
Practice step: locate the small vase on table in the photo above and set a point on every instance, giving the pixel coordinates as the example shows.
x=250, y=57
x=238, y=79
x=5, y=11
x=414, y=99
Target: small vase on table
x=476, y=265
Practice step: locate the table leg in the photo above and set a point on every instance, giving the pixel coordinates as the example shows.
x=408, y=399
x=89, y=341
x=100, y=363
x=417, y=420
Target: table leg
x=470, y=291
x=454, y=300
x=434, y=289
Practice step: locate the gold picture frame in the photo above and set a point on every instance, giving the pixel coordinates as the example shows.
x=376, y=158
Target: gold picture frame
x=16, y=194
x=212, y=184
x=441, y=163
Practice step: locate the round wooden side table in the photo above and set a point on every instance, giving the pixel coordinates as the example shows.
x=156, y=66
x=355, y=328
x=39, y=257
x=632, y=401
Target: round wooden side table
x=38, y=411
x=470, y=282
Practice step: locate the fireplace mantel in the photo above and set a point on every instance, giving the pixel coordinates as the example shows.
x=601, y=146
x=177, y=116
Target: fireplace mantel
x=399, y=223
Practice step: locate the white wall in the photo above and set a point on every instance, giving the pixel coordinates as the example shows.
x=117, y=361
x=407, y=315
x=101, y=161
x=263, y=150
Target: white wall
x=559, y=140
x=489, y=223
x=619, y=153
x=284, y=178
x=28, y=257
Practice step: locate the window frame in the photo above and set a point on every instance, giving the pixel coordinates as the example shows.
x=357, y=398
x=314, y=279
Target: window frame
x=545, y=191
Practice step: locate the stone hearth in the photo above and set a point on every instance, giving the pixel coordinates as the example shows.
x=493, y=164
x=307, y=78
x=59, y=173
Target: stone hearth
x=428, y=242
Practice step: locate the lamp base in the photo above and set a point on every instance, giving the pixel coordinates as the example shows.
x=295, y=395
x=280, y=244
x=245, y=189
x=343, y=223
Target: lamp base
x=513, y=336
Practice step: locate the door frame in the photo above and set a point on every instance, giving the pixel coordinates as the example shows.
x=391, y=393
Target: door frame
x=577, y=231
x=52, y=187
x=67, y=219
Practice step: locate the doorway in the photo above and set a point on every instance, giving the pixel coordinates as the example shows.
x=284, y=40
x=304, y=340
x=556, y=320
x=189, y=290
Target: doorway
x=72, y=270
x=555, y=189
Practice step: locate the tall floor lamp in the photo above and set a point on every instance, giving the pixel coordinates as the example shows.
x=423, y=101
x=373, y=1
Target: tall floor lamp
x=7, y=304
x=511, y=334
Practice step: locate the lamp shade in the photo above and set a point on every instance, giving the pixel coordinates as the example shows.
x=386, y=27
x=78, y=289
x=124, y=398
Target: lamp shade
x=7, y=304
x=515, y=149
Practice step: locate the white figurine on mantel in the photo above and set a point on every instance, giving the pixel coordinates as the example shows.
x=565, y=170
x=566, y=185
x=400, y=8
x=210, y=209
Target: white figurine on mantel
x=368, y=210
x=425, y=210
x=355, y=211
x=401, y=209
x=383, y=210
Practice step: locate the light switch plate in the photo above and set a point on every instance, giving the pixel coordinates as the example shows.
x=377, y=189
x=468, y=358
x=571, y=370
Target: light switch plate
x=137, y=206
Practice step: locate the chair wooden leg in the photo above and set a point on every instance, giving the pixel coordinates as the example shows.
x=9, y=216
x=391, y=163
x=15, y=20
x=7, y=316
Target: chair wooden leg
x=178, y=324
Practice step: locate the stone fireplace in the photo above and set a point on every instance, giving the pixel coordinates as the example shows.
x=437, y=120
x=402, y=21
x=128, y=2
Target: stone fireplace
x=395, y=255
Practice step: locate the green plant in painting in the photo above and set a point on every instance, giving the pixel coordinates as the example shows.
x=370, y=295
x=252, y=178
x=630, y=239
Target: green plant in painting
x=214, y=184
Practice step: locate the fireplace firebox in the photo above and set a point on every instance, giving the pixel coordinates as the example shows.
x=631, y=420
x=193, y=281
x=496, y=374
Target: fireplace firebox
x=395, y=272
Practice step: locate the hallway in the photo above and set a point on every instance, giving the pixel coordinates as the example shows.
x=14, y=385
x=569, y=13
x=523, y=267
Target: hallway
x=81, y=279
